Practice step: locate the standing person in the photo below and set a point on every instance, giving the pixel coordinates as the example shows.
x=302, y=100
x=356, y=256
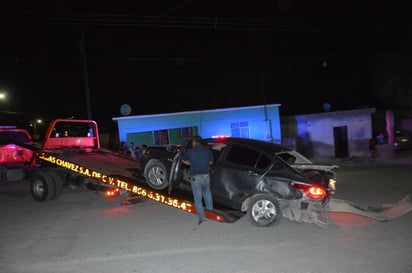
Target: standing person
x=144, y=149
x=132, y=151
x=123, y=148
x=138, y=152
x=199, y=159
x=371, y=149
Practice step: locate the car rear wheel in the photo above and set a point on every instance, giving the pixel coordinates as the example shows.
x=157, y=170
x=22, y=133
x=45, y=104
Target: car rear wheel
x=156, y=175
x=263, y=210
x=42, y=187
x=59, y=183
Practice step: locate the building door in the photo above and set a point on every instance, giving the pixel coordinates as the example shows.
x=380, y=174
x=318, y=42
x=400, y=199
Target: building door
x=340, y=135
x=161, y=137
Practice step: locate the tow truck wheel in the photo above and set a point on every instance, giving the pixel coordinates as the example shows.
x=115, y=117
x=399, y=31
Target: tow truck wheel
x=156, y=175
x=263, y=210
x=59, y=183
x=42, y=187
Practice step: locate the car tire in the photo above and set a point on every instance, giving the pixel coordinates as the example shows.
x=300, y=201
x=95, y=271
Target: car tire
x=42, y=187
x=156, y=175
x=263, y=210
x=59, y=183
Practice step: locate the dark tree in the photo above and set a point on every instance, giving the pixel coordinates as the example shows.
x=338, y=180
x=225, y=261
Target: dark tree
x=393, y=76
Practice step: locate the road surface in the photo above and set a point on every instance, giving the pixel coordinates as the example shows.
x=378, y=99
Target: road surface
x=84, y=232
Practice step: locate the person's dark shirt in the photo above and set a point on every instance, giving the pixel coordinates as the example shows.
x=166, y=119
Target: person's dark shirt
x=199, y=158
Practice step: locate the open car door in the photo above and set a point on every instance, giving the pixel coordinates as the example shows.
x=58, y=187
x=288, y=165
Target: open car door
x=176, y=169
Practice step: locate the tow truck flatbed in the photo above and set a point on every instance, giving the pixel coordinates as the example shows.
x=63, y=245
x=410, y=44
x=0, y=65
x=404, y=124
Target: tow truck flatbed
x=122, y=173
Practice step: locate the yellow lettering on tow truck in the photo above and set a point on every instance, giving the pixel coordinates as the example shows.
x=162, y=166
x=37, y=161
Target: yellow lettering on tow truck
x=111, y=180
x=186, y=206
x=96, y=174
x=49, y=158
x=123, y=185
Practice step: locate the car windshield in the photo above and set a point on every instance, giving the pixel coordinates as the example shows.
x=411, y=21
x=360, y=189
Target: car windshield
x=7, y=137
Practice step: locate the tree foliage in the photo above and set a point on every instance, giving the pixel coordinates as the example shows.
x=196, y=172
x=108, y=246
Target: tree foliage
x=393, y=77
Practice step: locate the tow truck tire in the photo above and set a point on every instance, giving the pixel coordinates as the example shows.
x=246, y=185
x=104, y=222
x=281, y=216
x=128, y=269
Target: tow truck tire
x=263, y=210
x=156, y=175
x=42, y=187
x=59, y=183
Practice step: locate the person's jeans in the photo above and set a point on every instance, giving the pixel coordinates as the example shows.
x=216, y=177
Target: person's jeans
x=201, y=192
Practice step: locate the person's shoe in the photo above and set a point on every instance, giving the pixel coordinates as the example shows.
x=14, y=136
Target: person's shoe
x=201, y=221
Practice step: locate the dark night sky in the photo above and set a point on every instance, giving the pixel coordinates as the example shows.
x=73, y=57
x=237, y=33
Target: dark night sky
x=167, y=56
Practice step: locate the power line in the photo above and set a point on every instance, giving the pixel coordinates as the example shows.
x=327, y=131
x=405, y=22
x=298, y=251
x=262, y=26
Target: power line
x=168, y=12
x=163, y=21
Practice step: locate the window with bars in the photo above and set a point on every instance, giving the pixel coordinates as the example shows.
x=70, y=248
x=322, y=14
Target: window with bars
x=240, y=129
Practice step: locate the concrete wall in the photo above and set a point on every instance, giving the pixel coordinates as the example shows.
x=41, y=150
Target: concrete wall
x=359, y=130
x=314, y=134
x=406, y=124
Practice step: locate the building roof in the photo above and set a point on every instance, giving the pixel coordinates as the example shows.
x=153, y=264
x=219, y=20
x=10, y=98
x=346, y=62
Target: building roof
x=353, y=112
x=196, y=112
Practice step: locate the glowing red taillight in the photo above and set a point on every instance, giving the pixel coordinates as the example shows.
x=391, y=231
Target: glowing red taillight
x=312, y=191
x=316, y=192
x=220, y=136
x=112, y=193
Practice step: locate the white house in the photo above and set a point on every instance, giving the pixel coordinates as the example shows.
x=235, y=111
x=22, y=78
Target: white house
x=338, y=134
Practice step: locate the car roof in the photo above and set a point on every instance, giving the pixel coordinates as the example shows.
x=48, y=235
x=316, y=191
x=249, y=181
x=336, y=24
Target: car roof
x=261, y=145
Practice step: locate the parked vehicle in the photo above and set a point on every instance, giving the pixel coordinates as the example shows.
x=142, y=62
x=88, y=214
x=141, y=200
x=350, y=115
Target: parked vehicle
x=402, y=141
x=16, y=152
x=260, y=178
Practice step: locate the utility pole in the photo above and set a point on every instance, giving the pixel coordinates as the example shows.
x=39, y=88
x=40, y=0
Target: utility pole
x=262, y=82
x=85, y=74
x=269, y=133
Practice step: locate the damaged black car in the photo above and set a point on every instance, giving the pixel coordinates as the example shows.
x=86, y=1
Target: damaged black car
x=264, y=180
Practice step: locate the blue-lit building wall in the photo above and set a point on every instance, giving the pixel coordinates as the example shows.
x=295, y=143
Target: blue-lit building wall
x=262, y=122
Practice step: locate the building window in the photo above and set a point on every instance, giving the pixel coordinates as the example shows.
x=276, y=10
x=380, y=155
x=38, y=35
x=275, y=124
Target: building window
x=240, y=129
x=186, y=132
x=161, y=137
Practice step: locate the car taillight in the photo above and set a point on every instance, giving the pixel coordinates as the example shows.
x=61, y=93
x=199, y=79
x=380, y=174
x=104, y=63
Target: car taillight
x=220, y=136
x=312, y=191
x=112, y=193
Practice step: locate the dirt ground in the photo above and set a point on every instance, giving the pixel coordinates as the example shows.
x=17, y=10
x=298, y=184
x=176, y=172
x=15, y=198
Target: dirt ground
x=84, y=232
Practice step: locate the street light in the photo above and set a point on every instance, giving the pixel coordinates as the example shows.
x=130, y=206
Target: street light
x=34, y=124
x=3, y=97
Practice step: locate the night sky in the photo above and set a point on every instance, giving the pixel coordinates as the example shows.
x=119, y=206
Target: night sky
x=169, y=56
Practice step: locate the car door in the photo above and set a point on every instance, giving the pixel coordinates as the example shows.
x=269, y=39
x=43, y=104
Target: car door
x=238, y=173
x=176, y=168
x=180, y=173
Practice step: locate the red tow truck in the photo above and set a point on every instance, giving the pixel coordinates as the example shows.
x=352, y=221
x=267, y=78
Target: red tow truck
x=71, y=151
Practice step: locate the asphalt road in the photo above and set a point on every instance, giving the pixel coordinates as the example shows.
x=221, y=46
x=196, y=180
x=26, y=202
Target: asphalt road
x=84, y=232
